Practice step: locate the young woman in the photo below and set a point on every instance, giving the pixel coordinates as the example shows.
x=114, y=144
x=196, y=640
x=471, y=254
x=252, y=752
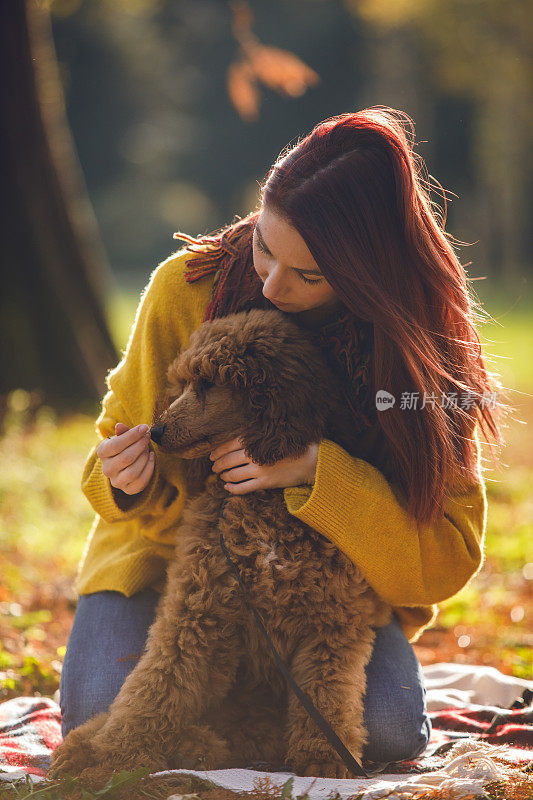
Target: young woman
x=346, y=242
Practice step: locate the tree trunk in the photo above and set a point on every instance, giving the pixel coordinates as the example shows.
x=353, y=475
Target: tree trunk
x=54, y=336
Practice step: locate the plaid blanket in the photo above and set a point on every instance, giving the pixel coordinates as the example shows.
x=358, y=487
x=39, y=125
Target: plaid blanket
x=30, y=729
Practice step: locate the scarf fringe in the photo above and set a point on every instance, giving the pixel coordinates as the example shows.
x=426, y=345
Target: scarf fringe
x=196, y=268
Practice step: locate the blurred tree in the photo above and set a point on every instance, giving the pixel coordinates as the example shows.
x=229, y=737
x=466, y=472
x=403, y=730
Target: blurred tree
x=147, y=85
x=53, y=332
x=152, y=101
x=477, y=59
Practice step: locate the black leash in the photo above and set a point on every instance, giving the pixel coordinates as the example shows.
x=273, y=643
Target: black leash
x=352, y=763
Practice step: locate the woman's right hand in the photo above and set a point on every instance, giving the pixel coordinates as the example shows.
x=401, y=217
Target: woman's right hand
x=126, y=458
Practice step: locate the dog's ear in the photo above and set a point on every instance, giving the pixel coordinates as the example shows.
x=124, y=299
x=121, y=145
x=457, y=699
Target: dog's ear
x=287, y=403
x=197, y=470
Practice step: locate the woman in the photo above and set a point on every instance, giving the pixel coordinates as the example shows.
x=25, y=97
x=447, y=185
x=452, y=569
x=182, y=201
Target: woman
x=346, y=242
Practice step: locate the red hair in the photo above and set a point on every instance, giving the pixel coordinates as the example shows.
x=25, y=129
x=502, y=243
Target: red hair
x=354, y=190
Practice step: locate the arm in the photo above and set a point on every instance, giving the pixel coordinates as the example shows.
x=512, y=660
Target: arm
x=408, y=564
x=169, y=311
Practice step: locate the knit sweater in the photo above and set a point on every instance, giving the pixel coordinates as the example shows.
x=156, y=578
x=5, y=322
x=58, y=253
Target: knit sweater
x=354, y=502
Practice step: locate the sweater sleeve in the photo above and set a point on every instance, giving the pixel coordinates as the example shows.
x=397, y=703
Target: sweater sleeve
x=168, y=312
x=407, y=563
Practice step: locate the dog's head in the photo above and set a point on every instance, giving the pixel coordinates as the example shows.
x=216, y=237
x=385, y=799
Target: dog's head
x=256, y=375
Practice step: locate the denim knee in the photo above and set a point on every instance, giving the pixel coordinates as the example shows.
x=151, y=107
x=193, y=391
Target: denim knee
x=81, y=699
x=395, y=713
x=399, y=732
x=107, y=639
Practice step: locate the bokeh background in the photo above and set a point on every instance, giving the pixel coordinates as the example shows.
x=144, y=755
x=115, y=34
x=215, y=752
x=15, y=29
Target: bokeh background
x=126, y=120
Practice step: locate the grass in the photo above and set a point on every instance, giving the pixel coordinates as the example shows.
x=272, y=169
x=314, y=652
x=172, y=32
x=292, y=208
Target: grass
x=44, y=521
x=488, y=622
x=136, y=785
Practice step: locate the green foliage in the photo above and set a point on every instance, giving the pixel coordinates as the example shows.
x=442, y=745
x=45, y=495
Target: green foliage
x=121, y=786
x=118, y=782
x=53, y=790
x=286, y=791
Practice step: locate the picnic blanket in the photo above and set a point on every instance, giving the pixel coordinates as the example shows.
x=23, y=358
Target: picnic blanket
x=482, y=731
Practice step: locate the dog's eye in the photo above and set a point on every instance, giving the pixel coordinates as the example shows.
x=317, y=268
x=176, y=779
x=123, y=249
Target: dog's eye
x=201, y=386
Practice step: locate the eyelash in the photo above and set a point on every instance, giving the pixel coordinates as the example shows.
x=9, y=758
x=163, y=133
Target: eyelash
x=268, y=253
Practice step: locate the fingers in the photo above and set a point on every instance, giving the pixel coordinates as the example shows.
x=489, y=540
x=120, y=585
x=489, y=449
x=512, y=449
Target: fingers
x=226, y=447
x=244, y=487
x=243, y=473
x=113, y=465
x=233, y=465
x=135, y=478
x=132, y=472
x=236, y=458
x=109, y=448
x=126, y=458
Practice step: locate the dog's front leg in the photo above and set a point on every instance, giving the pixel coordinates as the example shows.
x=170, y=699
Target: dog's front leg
x=189, y=664
x=330, y=667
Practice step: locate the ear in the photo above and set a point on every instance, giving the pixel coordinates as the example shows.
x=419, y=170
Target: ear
x=197, y=470
x=285, y=408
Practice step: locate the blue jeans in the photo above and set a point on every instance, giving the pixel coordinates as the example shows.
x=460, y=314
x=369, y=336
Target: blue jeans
x=109, y=634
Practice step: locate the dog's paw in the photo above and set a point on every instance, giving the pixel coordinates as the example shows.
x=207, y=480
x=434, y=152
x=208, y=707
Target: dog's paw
x=200, y=747
x=325, y=769
x=69, y=759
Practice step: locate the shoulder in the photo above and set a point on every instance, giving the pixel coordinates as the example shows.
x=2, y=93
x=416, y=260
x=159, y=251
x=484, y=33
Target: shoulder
x=168, y=287
x=170, y=308
x=169, y=311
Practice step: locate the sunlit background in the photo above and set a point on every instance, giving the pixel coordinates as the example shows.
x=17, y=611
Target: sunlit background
x=177, y=108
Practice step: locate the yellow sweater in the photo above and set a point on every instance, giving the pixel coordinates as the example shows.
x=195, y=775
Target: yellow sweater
x=352, y=502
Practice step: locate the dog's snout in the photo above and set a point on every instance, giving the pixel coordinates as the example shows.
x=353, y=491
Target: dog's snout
x=156, y=434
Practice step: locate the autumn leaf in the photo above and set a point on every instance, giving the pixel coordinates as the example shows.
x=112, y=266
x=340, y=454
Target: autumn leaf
x=277, y=69
x=281, y=70
x=242, y=90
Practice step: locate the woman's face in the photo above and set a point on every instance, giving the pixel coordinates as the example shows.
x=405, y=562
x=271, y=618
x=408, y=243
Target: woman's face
x=291, y=278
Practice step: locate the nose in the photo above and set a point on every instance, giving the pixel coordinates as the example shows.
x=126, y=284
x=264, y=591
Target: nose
x=272, y=287
x=156, y=434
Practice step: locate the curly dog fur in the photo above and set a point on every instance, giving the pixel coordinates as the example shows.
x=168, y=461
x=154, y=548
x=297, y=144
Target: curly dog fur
x=206, y=693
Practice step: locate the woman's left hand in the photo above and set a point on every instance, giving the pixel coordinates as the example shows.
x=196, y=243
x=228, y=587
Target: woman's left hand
x=233, y=466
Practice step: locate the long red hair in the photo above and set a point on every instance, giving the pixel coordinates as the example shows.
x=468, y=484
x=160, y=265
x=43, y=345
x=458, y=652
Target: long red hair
x=357, y=194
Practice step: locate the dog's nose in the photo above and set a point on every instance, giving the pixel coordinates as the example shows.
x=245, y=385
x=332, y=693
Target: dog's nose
x=156, y=434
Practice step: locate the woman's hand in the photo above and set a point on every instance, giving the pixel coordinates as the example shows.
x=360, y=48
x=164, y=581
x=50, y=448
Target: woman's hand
x=233, y=466
x=126, y=458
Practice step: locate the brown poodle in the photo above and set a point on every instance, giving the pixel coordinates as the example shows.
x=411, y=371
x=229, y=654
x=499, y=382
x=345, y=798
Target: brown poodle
x=207, y=693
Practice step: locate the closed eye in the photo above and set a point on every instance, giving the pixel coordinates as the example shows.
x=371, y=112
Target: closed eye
x=264, y=249
x=262, y=246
